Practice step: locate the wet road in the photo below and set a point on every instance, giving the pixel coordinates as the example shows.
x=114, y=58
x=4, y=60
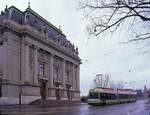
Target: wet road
x=136, y=108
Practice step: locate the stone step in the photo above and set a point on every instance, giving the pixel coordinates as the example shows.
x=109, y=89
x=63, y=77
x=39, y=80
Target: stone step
x=54, y=102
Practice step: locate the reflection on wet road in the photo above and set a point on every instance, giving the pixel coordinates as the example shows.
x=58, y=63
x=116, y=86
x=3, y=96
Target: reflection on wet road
x=136, y=108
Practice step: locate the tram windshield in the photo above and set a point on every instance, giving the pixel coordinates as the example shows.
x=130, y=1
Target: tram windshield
x=93, y=95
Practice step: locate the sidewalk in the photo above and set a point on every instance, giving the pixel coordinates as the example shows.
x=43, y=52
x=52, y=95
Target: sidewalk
x=40, y=105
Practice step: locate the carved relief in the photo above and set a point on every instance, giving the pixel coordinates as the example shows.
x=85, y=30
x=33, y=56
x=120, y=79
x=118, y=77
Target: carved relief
x=43, y=57
x=44, y=29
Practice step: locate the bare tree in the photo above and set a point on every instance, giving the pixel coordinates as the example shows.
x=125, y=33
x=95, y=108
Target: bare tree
x=148, y=95
x=112, y=84
x=98, y=80
x=120, y=84
x=101, y=80
x=109, y=15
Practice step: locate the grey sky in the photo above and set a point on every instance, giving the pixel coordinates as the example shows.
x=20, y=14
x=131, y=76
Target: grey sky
x=99, y=55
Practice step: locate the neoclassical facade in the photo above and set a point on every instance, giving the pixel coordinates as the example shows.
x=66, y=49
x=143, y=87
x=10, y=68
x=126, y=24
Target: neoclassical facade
x=36, y=60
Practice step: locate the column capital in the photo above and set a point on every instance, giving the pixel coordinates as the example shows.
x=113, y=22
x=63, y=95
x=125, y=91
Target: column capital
x=36, y=47
x=27, y=43
x=52, y=55
x=74, y=65
x=3, y=39
x=64, y=60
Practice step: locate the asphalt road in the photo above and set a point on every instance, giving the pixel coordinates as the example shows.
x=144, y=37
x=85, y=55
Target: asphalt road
x=135, y=108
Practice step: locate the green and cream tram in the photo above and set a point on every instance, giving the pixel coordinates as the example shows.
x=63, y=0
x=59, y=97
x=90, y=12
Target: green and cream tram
x=100, y=96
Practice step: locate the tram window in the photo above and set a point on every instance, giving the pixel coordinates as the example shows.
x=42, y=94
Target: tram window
x=123, y=96
x=93, y=95
x=104, y=96
x=113, y=96
x=108, y=96
x=132, y=96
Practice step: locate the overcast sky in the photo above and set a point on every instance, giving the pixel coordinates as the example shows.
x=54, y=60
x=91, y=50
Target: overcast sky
x=103, y=55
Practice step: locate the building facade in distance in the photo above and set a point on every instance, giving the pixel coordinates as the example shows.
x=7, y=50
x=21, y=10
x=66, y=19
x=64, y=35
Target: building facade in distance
x=36, y=60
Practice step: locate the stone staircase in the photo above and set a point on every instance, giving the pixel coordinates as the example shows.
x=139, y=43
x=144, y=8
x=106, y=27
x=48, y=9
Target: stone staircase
x=53, y=103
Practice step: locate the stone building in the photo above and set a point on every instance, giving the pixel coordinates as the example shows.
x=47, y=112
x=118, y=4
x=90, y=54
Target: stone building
x=36, y=60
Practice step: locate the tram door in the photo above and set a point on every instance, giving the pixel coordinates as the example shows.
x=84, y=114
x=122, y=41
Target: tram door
x=43, y=91
x=103, y=97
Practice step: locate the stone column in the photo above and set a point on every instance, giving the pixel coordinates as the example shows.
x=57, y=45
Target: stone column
x=22, y=62
x=78, y=78
x=36, y=65
x=64, y=73
x=27, y=63
x=74, y=79
x=4, y=59
x=1, y=60
x=51, y=70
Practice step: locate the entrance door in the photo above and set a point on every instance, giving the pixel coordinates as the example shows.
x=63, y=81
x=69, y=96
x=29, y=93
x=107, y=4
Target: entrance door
x=69, y=95
x=57, y=91
x=43, y=91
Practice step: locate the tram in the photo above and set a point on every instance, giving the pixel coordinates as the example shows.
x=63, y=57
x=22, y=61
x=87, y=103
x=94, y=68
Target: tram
x=102, y=96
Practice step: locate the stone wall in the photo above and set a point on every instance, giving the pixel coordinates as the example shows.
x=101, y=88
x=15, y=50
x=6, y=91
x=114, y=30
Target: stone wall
x=20, y=55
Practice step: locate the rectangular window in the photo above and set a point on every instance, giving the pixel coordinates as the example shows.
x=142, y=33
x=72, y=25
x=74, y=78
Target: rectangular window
x=56, y=73
x=67, y=75
x=41, y=70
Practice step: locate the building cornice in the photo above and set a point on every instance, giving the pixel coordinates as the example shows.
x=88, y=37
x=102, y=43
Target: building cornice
x=28, y=30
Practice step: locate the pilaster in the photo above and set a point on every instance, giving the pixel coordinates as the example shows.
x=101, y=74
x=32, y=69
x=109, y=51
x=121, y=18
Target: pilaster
x=35, y=64
x=22, y=61
x=78, y=77
x=51, y=70
x=74, y=79
x=64, y=73
x=27, y=62
x=1, y=60
x=4, y=56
